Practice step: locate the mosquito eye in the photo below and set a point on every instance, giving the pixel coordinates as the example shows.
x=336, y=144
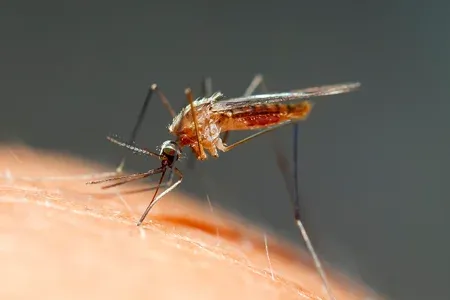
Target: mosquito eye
x=170, y=152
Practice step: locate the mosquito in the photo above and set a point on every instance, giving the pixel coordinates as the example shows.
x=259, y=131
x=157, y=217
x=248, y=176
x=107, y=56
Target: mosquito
x=200, y=123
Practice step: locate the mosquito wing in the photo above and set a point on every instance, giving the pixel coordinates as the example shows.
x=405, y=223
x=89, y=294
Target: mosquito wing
x=325, y=90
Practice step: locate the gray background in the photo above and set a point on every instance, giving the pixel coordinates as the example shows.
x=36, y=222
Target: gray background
x=372, y=162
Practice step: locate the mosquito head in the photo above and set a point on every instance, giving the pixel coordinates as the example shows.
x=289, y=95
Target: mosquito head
x=171, y=150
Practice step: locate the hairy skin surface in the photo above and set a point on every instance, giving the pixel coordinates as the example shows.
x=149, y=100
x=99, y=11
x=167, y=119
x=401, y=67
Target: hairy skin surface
x=62, y=239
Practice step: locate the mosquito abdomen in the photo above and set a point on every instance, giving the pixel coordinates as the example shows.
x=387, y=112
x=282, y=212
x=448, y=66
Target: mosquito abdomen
x=264, y=115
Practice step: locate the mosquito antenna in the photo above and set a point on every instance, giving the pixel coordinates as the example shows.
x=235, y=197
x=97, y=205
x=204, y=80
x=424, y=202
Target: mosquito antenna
x=291, y=184
x=133, y=148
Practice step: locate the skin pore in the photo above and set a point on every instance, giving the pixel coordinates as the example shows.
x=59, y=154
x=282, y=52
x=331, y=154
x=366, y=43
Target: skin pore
x=62, y=239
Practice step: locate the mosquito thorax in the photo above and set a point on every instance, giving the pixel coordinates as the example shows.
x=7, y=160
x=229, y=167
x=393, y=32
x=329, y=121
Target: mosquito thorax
x=171, y=150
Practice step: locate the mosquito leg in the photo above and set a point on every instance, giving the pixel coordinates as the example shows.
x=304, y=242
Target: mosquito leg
x=171, y=186
x=257, y=81
x=292, y=186
x=207, y=87
x=295, y=158
x=159, y=197
x=207, y=91
x=164, y=185
x=225, y=137
x=137, y=176
x=316, y=260
x=153, y=88
x=189, y=96
x=154, y=195
x=224, y=148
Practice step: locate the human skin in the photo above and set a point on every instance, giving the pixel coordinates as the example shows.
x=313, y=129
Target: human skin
x=63, y=239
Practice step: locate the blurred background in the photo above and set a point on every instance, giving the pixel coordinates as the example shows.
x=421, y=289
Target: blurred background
x=371, y=162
